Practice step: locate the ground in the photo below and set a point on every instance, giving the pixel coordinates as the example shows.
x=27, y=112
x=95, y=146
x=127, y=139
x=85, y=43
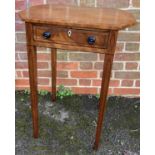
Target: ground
x=67, y=127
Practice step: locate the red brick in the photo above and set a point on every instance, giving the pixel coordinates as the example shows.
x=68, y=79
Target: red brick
x=98, y=65
x=102, y=56
x=82, y=56
x=132, y=46
x=126, y=91
x=96, y=83
x=17, y=18
x=110, y=91
x=87, y=2
x=135, y=27
x=119, y=47
x=22, y=87
x=113, y=3
x=42, y=49
x=44, y=73
x=42, y=65
x=48, y=88
x=43, y=81
x=20, y=26
x=86, y=65
x=84, y=74
x=43, y=56
x=127, y=75
x=62, y=74
x=41, y=73
x=21, y=82
x=20, y=5
x=67, y=65
x=113, y=83
x=116, y=66
x=84, y=82
x=128, y=37
x=127, y=83
x=67, y=82
x=22, y=56
x=84, y=90
x=137, y=83
x=36, y=2
x=21, y=65
x=64, y=2
x=136, y=3
x=16, y=56
x=20, y=47
x=136, y=13
x=47, y=73
x=127, y=56
x=131, y=66
x=62, y=56
x=19, y=73
x=25, y=73
x=21, y=37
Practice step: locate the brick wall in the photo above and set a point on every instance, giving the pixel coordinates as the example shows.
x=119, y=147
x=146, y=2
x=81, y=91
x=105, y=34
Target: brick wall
x=82, y=71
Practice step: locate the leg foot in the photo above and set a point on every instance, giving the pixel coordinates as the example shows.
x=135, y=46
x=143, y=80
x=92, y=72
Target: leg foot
x=95, y=147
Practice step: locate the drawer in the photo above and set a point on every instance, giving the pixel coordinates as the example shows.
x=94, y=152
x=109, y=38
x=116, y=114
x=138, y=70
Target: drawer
x=70, y=36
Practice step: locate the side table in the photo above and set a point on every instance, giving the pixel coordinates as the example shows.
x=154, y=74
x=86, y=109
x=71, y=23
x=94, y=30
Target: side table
x=72, y=28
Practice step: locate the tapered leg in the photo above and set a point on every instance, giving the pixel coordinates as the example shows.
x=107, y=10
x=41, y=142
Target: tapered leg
x=108, y=60
x=32, y=62
x=53, y=66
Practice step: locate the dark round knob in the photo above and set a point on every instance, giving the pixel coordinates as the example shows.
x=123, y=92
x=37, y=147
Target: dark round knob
x=91, y=40
x=47, y=35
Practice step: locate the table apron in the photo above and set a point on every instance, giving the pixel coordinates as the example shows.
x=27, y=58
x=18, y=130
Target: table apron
x=69, y=47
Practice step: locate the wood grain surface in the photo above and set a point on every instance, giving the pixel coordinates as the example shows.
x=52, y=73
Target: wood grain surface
x=100, y=18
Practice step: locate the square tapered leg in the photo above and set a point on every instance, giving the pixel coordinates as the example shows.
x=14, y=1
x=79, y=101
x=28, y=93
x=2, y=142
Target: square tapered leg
x=53, y=66
x=32, y=62
x=103, y=96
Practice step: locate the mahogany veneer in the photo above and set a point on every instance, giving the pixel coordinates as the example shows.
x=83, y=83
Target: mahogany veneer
x=72, y=28
x=78, y=37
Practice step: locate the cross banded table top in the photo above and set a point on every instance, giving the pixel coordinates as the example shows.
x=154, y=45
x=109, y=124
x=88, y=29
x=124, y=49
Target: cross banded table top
x=74, y=16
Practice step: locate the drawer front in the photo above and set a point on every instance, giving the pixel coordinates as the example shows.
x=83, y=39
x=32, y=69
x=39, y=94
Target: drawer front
x=60, y=35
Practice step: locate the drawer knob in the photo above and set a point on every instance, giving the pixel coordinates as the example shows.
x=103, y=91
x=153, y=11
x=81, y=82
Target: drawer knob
x=47, y=35
x=91, y=40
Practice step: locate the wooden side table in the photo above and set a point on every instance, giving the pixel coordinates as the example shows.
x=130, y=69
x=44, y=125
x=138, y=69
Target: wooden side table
x=72, y=28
